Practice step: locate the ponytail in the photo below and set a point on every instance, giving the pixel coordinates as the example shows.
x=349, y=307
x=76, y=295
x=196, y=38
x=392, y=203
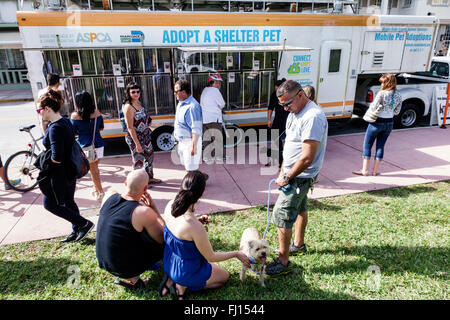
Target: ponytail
x=183, y=200
x=192, y=188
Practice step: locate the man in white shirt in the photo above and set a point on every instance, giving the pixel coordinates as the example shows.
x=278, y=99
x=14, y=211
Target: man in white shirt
x=53, y=83
x=212, y=104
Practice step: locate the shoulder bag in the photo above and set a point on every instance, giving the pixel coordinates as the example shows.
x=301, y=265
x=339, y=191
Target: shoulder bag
x=79, y=161
x=372, y=115
x=90, y=152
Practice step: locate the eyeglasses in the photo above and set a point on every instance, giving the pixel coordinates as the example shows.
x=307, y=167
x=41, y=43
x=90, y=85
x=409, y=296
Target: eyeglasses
x=39, y=110
x=134, y=92
x=288, y=104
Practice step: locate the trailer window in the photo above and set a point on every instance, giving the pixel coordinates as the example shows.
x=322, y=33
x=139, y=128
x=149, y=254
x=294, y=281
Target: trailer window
x=335, y=60
x=87, y=62
x=103, y=62
x=69, y=58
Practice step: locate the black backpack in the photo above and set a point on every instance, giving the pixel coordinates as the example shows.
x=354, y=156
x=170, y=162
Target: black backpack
x=79, y=161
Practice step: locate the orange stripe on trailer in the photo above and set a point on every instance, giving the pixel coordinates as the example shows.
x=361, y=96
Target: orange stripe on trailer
x=35, y=19
x=252, y=124
x=336, y=104
x=111, y=121
x=340, y=117
x=246, y=111
x=116, y=135
x=163, y=117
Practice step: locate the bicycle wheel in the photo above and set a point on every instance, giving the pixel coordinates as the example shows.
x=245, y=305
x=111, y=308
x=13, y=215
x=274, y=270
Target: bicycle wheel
x=232, y=135
x=21, y=166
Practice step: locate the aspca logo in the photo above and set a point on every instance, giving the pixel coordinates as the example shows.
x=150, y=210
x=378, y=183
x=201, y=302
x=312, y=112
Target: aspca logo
x=134, y=36
x=93, y=37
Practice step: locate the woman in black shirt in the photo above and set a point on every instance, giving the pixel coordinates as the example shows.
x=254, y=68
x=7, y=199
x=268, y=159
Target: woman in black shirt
x=279, y=122
x=58, y=185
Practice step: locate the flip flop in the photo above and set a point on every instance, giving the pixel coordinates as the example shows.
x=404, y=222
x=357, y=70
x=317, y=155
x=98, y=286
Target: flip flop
x=375, y=174
x=163, y=285
x=360, y=173
x=175, y=295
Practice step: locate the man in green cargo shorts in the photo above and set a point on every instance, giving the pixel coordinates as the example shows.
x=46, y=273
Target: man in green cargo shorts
x=304, y=150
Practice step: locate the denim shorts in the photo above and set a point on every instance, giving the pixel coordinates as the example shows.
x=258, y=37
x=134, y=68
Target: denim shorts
x=290, y=204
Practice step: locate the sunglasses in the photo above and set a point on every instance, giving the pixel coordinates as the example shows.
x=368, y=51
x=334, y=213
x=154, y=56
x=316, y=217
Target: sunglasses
x=288, y=104
x=39, y=110
x=134, y=91
x=176, y=91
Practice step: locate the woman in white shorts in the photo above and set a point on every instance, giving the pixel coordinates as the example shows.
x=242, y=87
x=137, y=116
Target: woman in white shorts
x=83, y=120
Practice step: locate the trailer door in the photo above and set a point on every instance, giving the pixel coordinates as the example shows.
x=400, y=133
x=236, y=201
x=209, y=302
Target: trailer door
x=383, y=51
x=333, y=77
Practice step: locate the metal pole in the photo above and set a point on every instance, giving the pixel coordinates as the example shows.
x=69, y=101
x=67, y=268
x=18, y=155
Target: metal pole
x=95, y=62
x=93, y=92
x=154, y=94
x=61, y=61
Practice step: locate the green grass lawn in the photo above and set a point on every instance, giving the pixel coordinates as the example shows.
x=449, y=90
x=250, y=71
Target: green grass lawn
x=403, y=233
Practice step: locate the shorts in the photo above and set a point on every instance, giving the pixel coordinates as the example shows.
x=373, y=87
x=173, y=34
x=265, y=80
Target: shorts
x=289, y=205
x=190, y=163
x=100, y=152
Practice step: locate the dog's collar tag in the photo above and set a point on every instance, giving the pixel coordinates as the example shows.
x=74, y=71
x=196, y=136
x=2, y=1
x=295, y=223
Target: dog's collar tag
x=256, y=268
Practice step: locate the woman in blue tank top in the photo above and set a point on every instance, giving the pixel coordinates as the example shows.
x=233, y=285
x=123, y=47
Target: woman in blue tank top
x=84, y=119
x=188, y=251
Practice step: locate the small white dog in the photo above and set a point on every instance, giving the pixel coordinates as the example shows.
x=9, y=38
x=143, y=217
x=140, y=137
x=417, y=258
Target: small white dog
x=256, y=250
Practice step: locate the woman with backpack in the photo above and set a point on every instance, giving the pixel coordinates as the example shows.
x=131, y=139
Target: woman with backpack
x=59, y=182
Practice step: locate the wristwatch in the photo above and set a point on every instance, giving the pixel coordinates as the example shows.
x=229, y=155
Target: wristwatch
x=286, y=178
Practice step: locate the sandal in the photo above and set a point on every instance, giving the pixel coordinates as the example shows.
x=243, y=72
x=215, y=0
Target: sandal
x=163, y=285
x=375, y=174
x=140, y=284
x=360, y=173
x=175, y=294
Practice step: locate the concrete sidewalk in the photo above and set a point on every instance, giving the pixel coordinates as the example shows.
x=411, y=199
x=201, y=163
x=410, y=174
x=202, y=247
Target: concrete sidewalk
x=412, y=156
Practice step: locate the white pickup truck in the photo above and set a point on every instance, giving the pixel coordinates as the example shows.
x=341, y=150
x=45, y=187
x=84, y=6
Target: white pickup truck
x=416, y=90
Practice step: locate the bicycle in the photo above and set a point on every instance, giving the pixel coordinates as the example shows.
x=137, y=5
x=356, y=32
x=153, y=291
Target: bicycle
x=20, y=165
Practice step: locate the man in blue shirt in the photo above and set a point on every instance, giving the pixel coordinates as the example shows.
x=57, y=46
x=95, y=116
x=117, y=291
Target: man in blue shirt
x=188, y=127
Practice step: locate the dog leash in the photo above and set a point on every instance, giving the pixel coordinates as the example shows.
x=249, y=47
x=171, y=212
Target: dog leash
x=268, y=209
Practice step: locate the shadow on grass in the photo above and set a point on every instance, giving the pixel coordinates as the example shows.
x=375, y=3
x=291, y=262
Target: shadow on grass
x=391, y=260
x=403, y=192
x=32, y=277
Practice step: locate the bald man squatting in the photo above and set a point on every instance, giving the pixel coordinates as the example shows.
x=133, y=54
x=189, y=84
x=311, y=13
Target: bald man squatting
x=129, y=234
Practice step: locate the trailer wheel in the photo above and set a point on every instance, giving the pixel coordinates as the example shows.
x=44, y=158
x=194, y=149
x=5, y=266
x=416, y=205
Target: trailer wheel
x=162, y=138
x=408, y=117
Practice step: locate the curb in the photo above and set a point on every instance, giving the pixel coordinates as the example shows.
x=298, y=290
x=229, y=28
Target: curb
x=16, y=100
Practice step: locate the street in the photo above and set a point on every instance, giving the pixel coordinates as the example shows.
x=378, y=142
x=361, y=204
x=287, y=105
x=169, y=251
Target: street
x=13, y=116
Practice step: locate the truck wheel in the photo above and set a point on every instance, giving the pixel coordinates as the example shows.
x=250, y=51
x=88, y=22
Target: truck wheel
x=162, y=138
x=408, y=117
